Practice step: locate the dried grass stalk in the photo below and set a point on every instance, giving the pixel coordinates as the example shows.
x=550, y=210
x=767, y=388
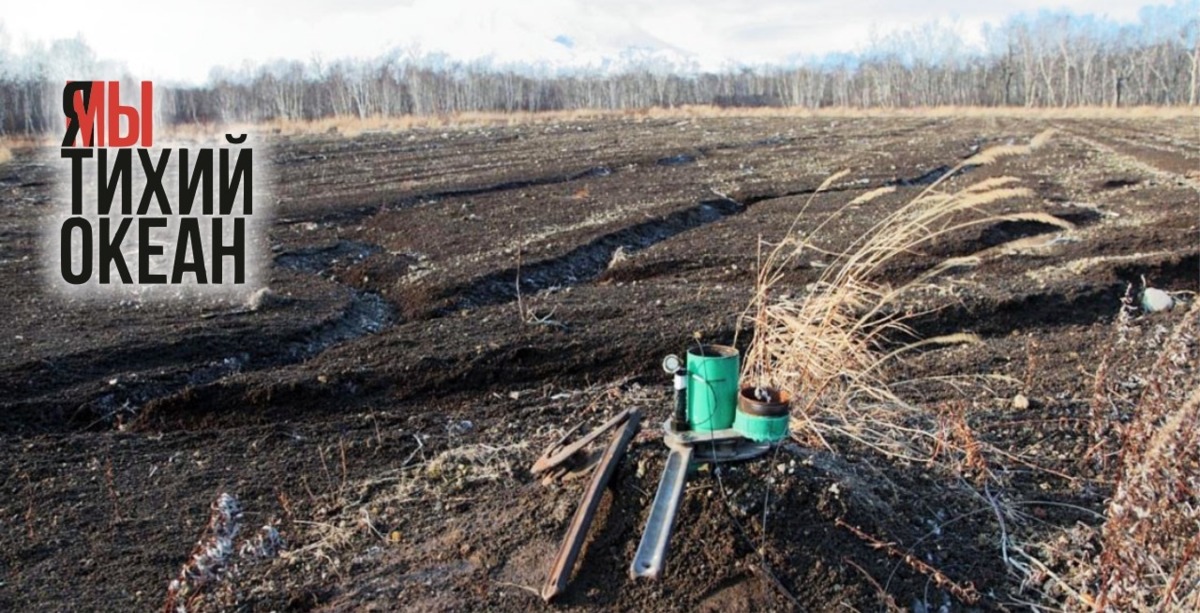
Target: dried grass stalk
x=878, y=192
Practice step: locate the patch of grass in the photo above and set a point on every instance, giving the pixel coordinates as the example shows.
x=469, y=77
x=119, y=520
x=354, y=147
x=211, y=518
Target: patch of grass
x=833, y=346
x=1083, y=112
x=6, y=154
x=351, y=126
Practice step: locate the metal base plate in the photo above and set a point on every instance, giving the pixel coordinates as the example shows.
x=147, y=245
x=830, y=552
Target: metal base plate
x=726, y=445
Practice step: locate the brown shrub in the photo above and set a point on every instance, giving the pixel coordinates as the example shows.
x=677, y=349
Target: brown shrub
x=1145, y=556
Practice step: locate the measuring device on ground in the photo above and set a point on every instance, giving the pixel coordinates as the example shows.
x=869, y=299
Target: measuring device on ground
x=713, y=421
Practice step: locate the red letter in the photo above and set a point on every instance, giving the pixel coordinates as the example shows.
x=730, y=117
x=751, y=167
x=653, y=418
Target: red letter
x=116, y=111
x=147, y=114
x=91, y=119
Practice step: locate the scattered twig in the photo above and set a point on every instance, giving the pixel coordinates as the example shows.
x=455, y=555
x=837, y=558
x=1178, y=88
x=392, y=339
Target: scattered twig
x=366, y=518
x=29, y=510
x=881, y=593
x=325, y=467
x=520, y=587
x=762, y=569
x=987, y=495
x=342, y=450
x=520, y=303
x=113, y=495
x=420, y=446
x=544, y=320
x=964, y=592
x=529, y=316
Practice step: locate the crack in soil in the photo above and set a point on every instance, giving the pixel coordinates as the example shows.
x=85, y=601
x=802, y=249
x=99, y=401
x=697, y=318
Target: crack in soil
x=681, y=159
x=586, y=261
x=367, y=313
x=320, y=258
x=595, y=171
x=359, y=213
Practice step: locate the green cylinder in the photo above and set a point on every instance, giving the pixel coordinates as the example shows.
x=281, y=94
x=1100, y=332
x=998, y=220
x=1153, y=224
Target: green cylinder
x=712, y=386
x=762, y=420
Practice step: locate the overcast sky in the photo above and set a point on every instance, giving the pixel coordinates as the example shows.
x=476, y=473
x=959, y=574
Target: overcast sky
x=183, y=43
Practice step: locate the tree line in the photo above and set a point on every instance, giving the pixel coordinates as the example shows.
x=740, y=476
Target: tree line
x=1044, y=60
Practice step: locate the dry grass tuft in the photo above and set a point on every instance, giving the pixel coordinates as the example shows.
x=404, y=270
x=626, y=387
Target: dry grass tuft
x=1146, y=554
x=6, y=154
x=834, y=347
x=368, y=507
x=831, y=346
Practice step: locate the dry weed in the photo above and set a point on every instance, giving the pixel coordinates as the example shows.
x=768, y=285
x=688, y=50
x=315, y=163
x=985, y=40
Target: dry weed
x=216, y=558
x=831, y=346
x=1146, y=554
x=368, y=508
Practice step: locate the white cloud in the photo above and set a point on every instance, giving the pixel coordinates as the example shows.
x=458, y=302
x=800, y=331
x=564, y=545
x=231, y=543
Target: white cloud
x=183, y=41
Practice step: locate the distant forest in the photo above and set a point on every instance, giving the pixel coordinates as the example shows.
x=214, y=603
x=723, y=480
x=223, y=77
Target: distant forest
x=1043, y=60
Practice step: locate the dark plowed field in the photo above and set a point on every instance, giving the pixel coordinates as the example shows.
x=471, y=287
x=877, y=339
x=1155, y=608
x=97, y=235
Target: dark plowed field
x=443, y=304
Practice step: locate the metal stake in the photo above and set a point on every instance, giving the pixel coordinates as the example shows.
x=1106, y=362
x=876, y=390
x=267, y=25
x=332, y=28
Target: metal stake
x=652, y=550
x=564, y=561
